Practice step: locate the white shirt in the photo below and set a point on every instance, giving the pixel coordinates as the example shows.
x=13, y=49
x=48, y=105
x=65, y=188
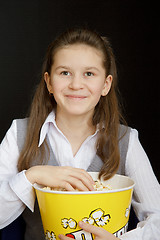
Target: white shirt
x=16, y=192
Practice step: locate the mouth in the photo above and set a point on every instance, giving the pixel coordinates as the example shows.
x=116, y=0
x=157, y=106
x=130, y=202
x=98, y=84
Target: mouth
x=76, y=97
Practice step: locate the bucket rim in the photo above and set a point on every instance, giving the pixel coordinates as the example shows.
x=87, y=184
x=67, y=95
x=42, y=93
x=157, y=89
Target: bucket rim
x=40, y=188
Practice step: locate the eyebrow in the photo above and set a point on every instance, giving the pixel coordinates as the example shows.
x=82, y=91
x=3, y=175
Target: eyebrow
x=94, y=68
x=61, y=66
x=86, y=68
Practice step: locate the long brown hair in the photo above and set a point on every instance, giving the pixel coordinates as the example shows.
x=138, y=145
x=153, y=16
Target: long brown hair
x=106, y=114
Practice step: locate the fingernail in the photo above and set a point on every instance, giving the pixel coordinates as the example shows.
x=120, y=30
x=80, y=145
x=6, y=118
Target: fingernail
x=80, y=223
x=60, y=235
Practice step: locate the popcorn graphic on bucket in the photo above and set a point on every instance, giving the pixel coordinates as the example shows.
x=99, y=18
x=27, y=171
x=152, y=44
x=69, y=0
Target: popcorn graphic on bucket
x=109, y=209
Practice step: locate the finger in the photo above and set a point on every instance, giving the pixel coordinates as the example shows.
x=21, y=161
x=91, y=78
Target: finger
x=67, y=186
x=84, y=177
x=78, y=184
x=77, y=178
x=87, y=175
x=97, y=231
x=72, y=184
x=79, y=172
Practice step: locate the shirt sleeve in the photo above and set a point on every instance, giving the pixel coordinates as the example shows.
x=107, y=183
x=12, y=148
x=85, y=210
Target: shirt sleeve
x=16, y=192
x=146, y=195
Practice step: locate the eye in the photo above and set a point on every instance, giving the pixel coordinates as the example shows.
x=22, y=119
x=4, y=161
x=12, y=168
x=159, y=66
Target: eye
x=65, y=73
x=89, y=74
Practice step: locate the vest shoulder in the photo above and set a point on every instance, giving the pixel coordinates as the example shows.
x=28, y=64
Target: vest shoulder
x=123, y=130
x=21, y=131
x=22, y=122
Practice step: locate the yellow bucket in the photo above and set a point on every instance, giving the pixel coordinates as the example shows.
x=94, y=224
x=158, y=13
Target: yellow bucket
x=62, y=210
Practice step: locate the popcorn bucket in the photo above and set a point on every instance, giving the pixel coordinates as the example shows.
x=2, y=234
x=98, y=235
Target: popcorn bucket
x=109, y=209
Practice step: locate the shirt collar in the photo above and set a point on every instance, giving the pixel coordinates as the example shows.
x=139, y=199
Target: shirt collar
x=45, y=127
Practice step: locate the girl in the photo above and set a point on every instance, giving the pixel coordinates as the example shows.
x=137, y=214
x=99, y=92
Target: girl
x=74, y=127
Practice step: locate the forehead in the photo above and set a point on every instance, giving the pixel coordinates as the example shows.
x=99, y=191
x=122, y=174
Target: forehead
x=78, y=53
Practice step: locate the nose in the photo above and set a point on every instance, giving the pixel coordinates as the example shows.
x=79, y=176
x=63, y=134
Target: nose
x=76, y=82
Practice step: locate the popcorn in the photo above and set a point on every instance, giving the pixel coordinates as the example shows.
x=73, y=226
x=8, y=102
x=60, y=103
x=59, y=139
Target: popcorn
x=98, y=186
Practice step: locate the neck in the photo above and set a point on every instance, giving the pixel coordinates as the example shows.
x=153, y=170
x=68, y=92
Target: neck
x=75, y=126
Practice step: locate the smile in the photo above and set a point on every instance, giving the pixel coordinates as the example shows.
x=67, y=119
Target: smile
x=76, y=97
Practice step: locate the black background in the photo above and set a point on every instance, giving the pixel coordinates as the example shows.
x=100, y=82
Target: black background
x=27, y=27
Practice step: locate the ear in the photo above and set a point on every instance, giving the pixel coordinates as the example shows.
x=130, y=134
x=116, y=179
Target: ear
x=107, y=85
x=48, y=81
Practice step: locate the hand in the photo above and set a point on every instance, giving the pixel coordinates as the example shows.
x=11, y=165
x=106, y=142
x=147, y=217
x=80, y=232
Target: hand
x=99, y=233
x=65, y=177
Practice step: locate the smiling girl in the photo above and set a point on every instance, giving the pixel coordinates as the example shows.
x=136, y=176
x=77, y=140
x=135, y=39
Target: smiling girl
x=75, y=127
x=77, y=87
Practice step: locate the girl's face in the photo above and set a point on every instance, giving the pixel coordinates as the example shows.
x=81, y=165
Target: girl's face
x=78, y=79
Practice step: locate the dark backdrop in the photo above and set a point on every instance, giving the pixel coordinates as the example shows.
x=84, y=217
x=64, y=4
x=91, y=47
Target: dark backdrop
x=27, y=27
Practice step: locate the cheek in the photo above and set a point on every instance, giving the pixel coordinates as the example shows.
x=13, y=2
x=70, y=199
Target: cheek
x=96, y=89
x=96, y=95
x=58, y=85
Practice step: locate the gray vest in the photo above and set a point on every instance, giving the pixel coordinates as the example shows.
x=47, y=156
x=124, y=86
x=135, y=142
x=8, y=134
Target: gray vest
x=34, y=228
